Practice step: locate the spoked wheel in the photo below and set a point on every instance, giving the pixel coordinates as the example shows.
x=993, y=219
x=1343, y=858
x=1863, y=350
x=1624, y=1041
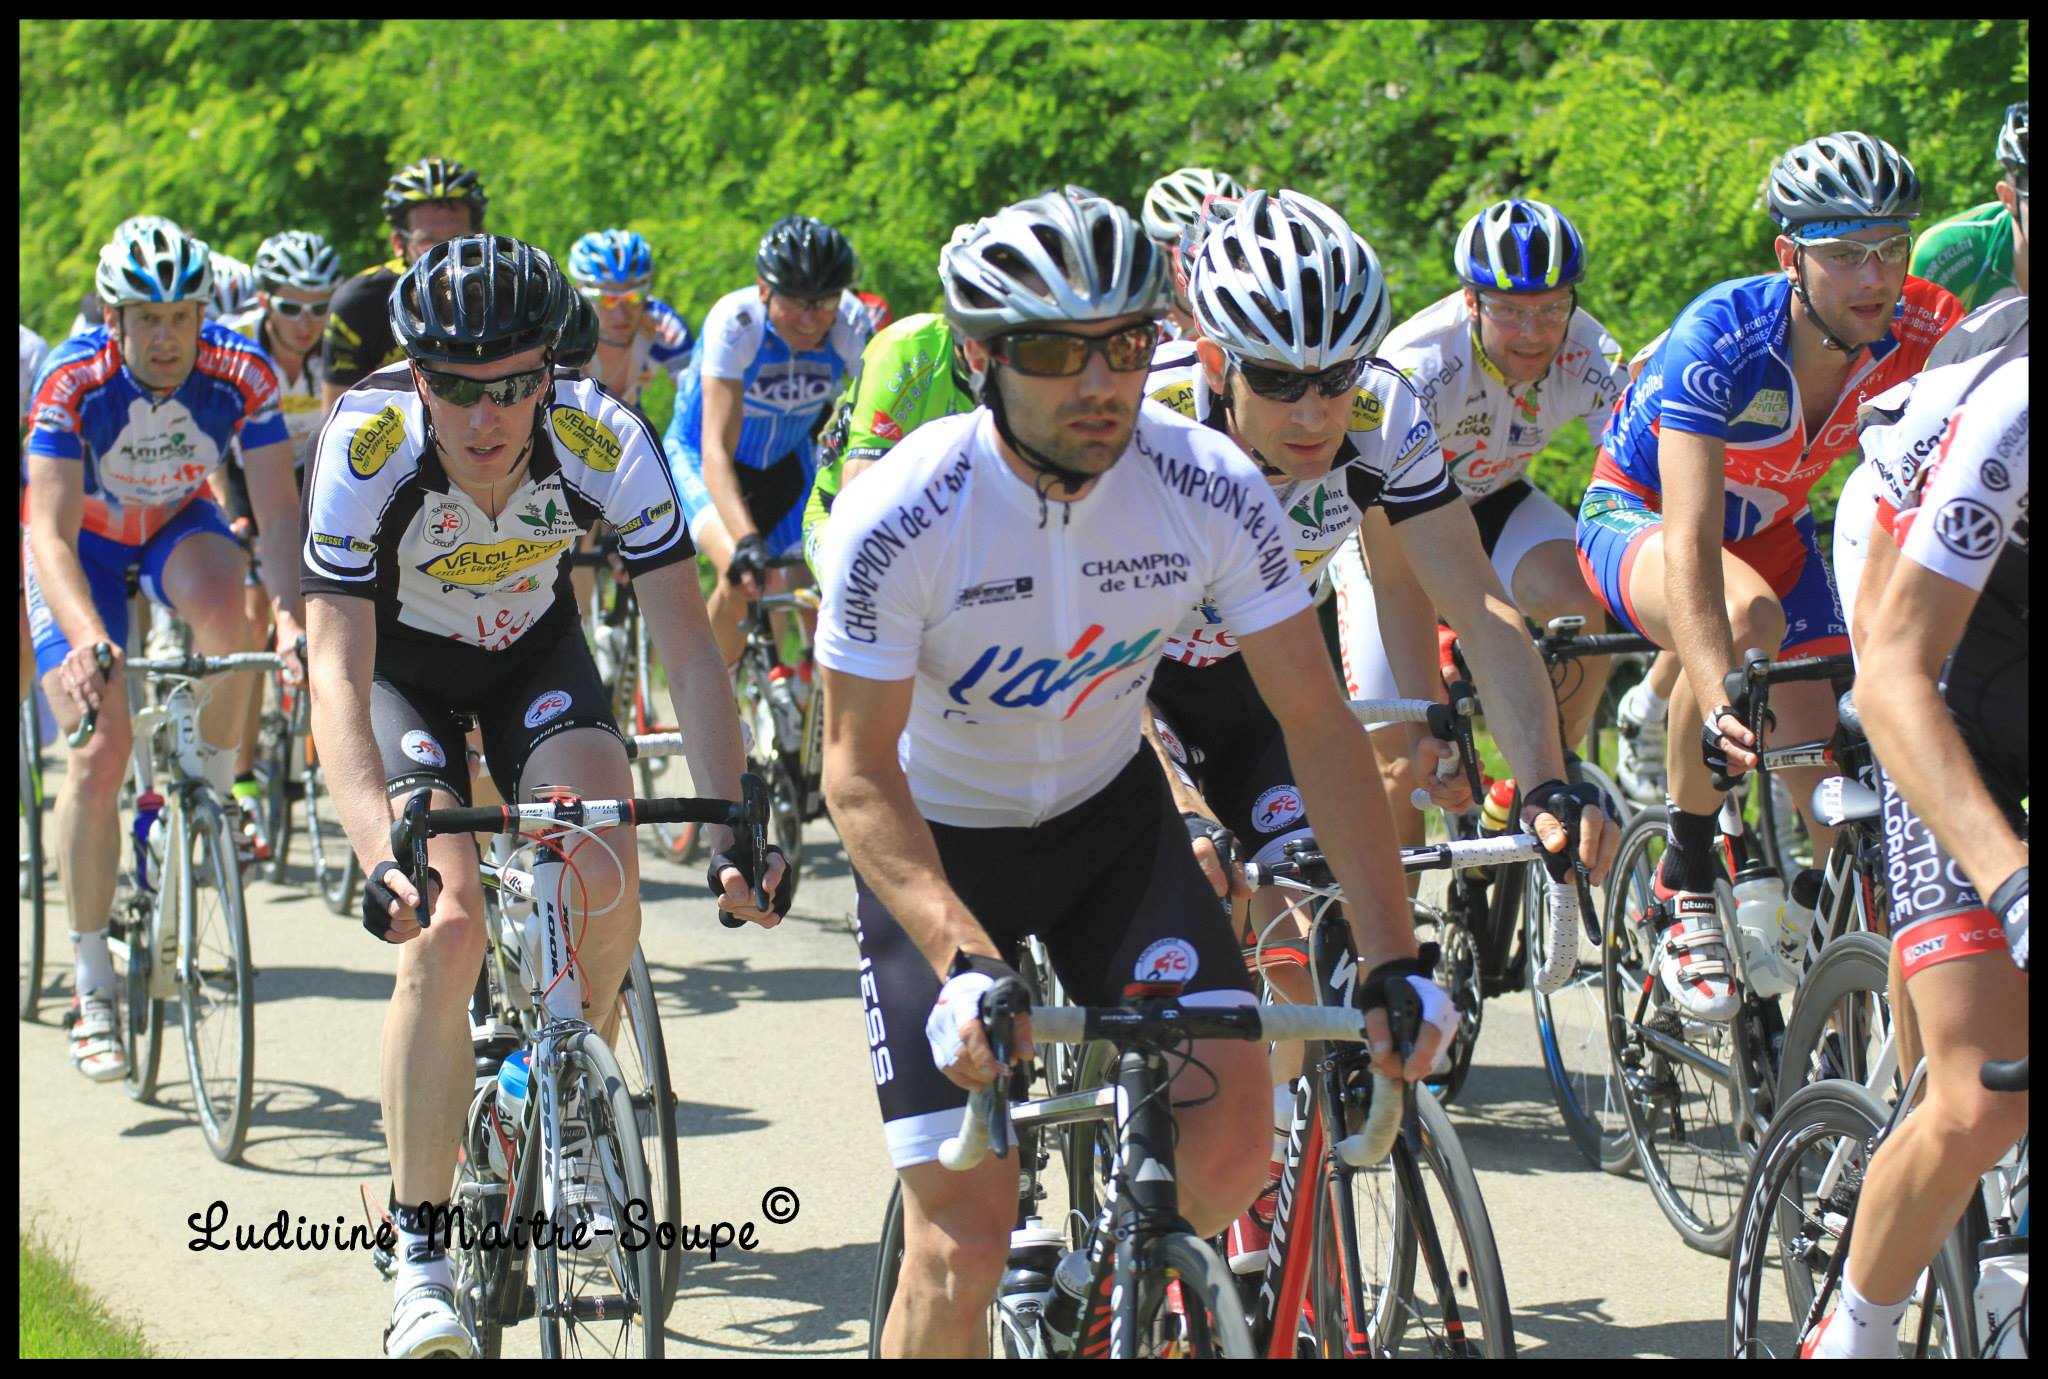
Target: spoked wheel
x=786, y=808
x=277, y=765
x=643, y=1059
x=216, y=984
x=1571, y=1031
x=31, y=858
x=335, y=869
x=1207, y=1319
x=1458, y=973
x=141, y=1015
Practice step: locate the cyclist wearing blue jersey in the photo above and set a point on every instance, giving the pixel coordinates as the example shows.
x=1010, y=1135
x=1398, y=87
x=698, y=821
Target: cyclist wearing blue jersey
x=772, y=359
x=127, y=422
x=638, y=334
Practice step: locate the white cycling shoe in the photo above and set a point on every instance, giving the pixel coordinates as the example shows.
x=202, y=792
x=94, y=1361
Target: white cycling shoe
x=424, y=1326
x=1692, y=957
x=585, y=1196
x=1640, y=740
x=96, y=1048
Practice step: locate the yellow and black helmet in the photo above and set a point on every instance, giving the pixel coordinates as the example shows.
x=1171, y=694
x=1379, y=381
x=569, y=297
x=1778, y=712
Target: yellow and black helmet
x=433, y=179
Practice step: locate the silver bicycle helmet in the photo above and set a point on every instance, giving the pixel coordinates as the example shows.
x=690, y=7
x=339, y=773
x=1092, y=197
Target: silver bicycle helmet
x=1846, y=176
x=234, y=286
x=151, y=260
x=1068, y=255
x=1216, y=210
x=1288, y=283
x=297, y=259
x=1175, y=200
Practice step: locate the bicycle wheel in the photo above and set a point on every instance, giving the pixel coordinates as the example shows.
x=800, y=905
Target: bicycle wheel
x=275, y=761
x=1796, y=1208
x=1571, y=1030
x=31, y=858
x=606, y=1304
x=335, y=869
x=1210, y=1322
x=131, y=925
x=1673, y=1073
x=888, y=1263
x=643, y=1059
x=216, y=985
x=1841, y=1018
x=1458, y=973
x=1429, y=1274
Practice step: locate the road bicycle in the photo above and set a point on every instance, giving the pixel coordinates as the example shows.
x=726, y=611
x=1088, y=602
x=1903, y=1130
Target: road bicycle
x=784, y=717
x=31, y=862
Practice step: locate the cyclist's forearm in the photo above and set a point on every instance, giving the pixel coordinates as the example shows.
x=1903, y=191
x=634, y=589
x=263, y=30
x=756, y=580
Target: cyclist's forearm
x=350, y=764
x=893, y=849
x=1521, y=708
x=1696, y=603
x=60, y=575
x=1334, y=769
x=273, y=494
x=1407, y=619
x=701, y=698
x=1186, y=799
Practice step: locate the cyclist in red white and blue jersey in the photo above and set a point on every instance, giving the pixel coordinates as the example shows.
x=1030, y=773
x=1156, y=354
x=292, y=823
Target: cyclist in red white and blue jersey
x=128, y=420
x=638, y=334
x=770, y=360
x=1696, y=532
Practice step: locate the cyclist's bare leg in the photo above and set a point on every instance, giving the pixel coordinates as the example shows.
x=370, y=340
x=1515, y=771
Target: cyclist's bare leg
x=725, y=604
x=85, y=823
x=256, y=607
x=203, y=580
x=956, y=1239
x=1548, y=585
x=28, y=655
x=591, y=762
x=425, y=1067
x=1392, y=748
x=1225, y=1144
x=1663, y=675
x=1970, y=1010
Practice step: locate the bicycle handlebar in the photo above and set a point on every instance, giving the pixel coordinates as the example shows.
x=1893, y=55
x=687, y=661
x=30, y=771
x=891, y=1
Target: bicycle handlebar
x=188, y=667
x=1999, y=1076
x=1748, y=689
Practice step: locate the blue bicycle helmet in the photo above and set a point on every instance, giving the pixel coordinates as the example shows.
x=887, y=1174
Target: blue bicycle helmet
x=611, y=259
x=1520, y=246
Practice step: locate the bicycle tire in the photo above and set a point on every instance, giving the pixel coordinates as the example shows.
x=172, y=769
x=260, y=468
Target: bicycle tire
x=1220, y=1330
x=216, y=984
x=1853, y=1114
x=1571, y=1034
x=141, y=1015
x=610, y=1112
x=336, y=871
x=888, y=1264
x=1819, y=1046
x=654, y=1108
x=275, y=766
x=31, y=863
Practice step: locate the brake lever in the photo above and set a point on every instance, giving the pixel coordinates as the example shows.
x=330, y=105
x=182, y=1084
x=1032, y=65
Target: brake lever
x=754, y=818
x=409, y=840
x=103, y=656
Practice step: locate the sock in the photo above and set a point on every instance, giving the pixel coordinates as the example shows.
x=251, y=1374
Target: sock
x=421, y=1258
x=1689, y=859
x=1861, y=1329
x=1653, y=704
x=92, y=961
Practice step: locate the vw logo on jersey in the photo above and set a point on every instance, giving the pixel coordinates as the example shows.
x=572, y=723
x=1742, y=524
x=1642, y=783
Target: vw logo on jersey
x=1277, y=808
x=422, y=748
x=1166, y=960
x=1968, y=528
x=549, y=706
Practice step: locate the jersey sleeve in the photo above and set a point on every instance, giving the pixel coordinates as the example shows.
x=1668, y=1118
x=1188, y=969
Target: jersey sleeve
x=852, y=331
x=871, y=622
x=350, y=488
x=611, y=458
x=672, y=343
x=1254, y=580
x=732, y=335
x=255, y=378
x=56, y=419
x=358, y=330
x=1417, y=479
x=1975, y=499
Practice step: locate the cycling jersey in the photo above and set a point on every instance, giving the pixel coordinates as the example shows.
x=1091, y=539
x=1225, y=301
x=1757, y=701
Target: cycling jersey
x=298, y=400
x=1490, y=428
x=661, y=344
x=1903, y=426
x=145, y=457
x=1389, y=457
x=385, y=522
x=33, y=348
x=785, y=391
x=904, y=379
x=1031, y=628
x=1976, y=490
x=1724, y=370
x=1970, y=254
x=358, y=341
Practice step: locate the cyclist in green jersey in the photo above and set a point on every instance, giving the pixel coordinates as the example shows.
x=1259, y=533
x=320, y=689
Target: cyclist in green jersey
x=909, y=374
x=1981, y=253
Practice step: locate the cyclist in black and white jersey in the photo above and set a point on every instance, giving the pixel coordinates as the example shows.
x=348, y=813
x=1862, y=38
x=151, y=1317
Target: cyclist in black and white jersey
x=1002, y=588
x=443, y=494
x=1949, y=718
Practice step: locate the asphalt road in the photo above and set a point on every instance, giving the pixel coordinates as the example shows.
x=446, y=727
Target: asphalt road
x=768, y=1055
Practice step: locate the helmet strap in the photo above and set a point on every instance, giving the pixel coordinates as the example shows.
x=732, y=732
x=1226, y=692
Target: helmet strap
x=1073, y=480
x=1828, y=338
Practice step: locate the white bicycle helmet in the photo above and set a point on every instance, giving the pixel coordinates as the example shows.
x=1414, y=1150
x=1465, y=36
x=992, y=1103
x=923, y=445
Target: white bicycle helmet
x=1288, y=283
x=1216, y=210
x=1068, y=255
x=1175, y=200
x=151, y=260
x=298, y=259
x=1846, y=176
x=234, y=287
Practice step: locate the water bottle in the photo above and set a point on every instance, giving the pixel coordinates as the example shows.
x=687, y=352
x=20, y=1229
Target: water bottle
x=789, y=715
x=1027, y=1285
x=1496, y=812
x=512, y=1080
x=1759, y=910
x=1069, y=1286
x=2002, y=1293
x=149, y=838
x=1795, y=922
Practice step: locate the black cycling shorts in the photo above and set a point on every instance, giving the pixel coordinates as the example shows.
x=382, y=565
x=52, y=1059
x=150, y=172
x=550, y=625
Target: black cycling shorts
x=422, y=701
x=1226, y=743
x=1112, y=889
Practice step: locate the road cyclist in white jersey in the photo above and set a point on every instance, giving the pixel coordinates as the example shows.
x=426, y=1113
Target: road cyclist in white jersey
x=1174, y=208
x=1290, y=307
x=444, y=492
x=997, y=598
x=128, y=421
x=292, y=286
x=1502, y=365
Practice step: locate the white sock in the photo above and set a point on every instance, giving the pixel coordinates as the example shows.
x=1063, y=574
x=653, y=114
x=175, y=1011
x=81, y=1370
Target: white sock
x=420, y=1260
x=1862, y=1329
x=92, y=961
x=1652, y=704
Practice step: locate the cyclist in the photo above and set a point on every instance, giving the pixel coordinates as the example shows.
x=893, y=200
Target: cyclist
x=1978, y=254
x=427, y=203
x=772, y=359
x=234, y=286
x=294, y=279
x=1173, y=205
x=33, y=348
x=1949, y=719
x=1502, y=365
x=1002, y=588
x=639, y=335
x=444, y=491
x=88, y=317
x=129, y=420
x=1749, y=398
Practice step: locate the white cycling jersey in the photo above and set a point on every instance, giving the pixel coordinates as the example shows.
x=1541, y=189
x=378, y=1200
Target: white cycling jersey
x=1972, y=503
x=1032, y=628
x=299, y=401
x=1389, y=457
x=33, y=348
x=385, y=522
x=1902, y=427
x=1490, y=428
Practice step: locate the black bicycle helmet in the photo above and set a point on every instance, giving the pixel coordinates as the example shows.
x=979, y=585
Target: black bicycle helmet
x=478, y=299
x=433, y=179
x=579, y=337
x=802, y=256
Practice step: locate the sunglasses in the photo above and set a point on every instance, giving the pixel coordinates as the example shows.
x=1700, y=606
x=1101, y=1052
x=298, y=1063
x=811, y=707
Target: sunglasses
x=1521, y=318
x=1285, y=385
x=1062, y=354
x=291, y=310
x=1851, y=255
x=811, y=306
x=464, y=392
x=605, y=301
